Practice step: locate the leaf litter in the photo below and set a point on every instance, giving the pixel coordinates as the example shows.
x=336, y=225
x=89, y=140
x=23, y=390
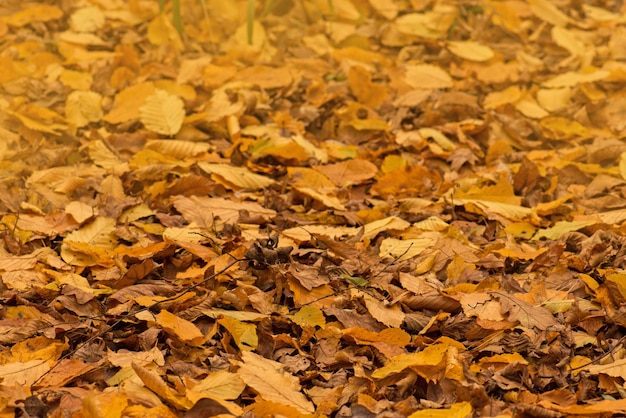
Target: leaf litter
x=372, y=209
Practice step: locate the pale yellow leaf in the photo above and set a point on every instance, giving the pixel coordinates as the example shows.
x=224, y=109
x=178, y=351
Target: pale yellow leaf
x=205, y=210
x=433, y=24
x=87, y=19
x=561, y=227
x=554, y=99
x=390, y=223
x=427, y=363
x=128, y=101
x=237, y=176
x=86, y=39
x=309, y=316
x=161, y=31
x=326, y=199
x=471, y=50
x=513, y=212
x=438, y=137
x=272, y=383
x=568, y=40
x=31, y=13
x=387, y=9
x=456, y=410
x=80, y=211
x=243, y=334
x=162, y=113
x=178, y=148
x=426, y=76
x=614, y=369
x=572, y=79
x=390, y=315
x=602, y=15
x=98, y=233
x=218, y=385
x=403, y=249
x=155, y=383
x=83, y=107
x=23, y=373
x=499, y=98
x=549, y=12
x=529, y=107
x=103, y=157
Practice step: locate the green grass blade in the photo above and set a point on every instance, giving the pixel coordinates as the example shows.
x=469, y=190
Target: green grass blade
x=176, y=17
x=250, y=23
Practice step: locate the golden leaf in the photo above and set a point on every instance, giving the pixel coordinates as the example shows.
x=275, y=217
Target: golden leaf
x=470, y=50
x=182, y=328
x=273, y=384
x=162, y=113
x=426, y=76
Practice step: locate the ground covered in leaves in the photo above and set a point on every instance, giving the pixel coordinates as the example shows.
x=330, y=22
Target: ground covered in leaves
x=346, y=208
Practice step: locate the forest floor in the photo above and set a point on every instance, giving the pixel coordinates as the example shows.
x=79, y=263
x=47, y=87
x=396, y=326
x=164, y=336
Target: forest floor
x=339, y=208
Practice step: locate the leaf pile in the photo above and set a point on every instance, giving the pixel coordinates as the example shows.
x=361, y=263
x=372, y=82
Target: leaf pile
x=376, y=208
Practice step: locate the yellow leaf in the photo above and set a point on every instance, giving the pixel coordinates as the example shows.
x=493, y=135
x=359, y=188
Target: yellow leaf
x=310, y=316
x=103, y=157
x=178, y=148
x=127, y=103
x=562, y=227
x=529, y=107
x=239, y=177
x=554, y=99
x=87, y=19
x=572, y=79
x=390, y=223
x=155, y=383
x=80, y=211
x=438, y=137
x=427, y=363
x=392, y=336
x=76, y=80
x=471, y=50
x=426, y=76
x=547, y=11
x=98, y=233
x=39, y=118
x=456, y=410
x=563, y=127
x=39, y=13
x=183, y=329
x=431, y=25
x=218, y=385
x=104, y=405
x=568, y=40
x=368, y=93
x=388, y=10
x=502, y=192
x=244, y=334
x=509, y=358
x=83, y=107
x=272, y=383
x=348, y=173
x=237, y=315
x=503, y=15
x=161, y=31
x=614, y=369
x=388, y=314
x=499, y=98
x=19, y=373
x=162, y=113
x=403, y=249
